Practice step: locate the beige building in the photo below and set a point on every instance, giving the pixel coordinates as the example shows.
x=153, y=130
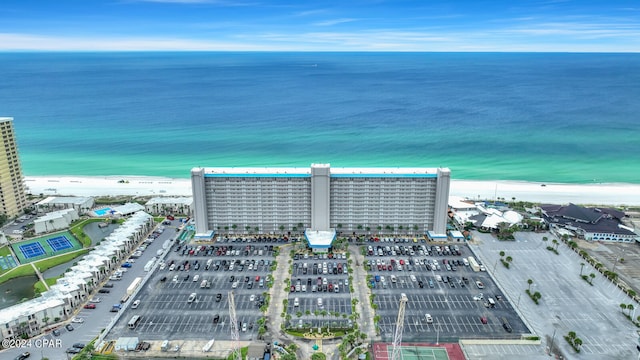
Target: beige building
x=320, y=198
x=12, y=190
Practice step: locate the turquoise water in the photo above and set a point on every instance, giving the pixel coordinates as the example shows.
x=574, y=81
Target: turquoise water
x=102, y=212
x=535, y=117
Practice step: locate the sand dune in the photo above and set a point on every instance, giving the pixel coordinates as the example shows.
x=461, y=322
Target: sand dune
x=602, y=194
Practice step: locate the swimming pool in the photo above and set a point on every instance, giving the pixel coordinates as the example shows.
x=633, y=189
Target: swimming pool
x=102, y=212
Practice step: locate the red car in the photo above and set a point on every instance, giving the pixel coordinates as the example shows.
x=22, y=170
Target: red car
x=389, y=267
x=483, y=320
x=90, y=306
x=401, y=262
x=170, y=217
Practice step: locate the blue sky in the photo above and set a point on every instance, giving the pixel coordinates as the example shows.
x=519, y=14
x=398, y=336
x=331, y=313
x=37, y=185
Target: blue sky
x=299, y=25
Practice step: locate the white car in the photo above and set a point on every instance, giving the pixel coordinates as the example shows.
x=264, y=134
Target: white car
x=252, y=297
x=163, y=266
x=413, y=278
x=77, y=320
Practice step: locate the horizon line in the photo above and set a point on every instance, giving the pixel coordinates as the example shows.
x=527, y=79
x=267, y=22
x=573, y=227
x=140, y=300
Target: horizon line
x=320, y=51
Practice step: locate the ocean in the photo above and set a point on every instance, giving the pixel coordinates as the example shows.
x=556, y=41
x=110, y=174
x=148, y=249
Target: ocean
x=547, y=117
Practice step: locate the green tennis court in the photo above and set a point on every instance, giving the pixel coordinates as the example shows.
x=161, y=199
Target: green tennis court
x=420, y=351
x=423, y=353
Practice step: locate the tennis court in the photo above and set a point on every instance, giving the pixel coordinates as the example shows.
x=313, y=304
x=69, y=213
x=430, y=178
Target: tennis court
x=32, y=250
x=447, y=351
x=59, y=243
x=7, y=262
x=46, y=246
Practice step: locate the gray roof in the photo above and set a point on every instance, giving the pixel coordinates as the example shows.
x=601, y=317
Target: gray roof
x=593, y=220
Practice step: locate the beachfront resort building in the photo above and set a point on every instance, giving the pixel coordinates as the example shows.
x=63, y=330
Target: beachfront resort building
x=13, y=199
x=592, y=224
x=55, y=220
x=320, y=200
x=170, y=206
x=81, y=204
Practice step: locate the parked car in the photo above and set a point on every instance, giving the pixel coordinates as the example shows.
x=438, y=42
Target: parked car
x=90, y=306
x=23, y=356
x=77, y=320
x=69, y=327
x=104, y=291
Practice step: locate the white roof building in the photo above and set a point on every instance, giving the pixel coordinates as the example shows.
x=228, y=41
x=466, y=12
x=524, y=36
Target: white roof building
x=170, y=205
x=55, y=220
x=127, y=209
x=81, y=204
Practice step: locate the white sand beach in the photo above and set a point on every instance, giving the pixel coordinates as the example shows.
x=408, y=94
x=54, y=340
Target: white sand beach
x=600, y=194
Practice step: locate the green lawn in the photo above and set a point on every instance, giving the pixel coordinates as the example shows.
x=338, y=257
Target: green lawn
x=77, y=231
x=50, y=281
x=4, y=251
x=42, y=265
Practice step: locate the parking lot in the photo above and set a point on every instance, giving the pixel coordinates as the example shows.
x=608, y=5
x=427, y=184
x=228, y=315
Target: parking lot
x=313, y=283
x=446, y=298
x=568, y=302
x=169, y=309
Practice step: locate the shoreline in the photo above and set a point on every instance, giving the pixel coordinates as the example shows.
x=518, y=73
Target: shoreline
x=615, y=194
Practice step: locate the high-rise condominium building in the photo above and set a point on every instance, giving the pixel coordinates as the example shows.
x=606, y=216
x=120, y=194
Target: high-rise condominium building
x=321, y=198
x=12, y=190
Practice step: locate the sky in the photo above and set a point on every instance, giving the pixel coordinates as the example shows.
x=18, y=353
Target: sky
x=321, y=25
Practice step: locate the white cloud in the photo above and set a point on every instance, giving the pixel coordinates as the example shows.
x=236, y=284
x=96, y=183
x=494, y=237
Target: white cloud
x=334, y=22
x=533, y=39
x=28, y=42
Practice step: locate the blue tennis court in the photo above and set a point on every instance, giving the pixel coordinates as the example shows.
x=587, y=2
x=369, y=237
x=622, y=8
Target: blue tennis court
x=59, y=243
x=32, y=250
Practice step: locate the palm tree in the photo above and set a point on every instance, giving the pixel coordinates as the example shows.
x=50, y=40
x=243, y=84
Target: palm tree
x=623, y=307
x=529, y=281
x=509, y=259
x=592, y=276
x=544, y=238
x=630, y=308
x=379, y=228
x=577, y=342
x=502, y=253
x=571, y=335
